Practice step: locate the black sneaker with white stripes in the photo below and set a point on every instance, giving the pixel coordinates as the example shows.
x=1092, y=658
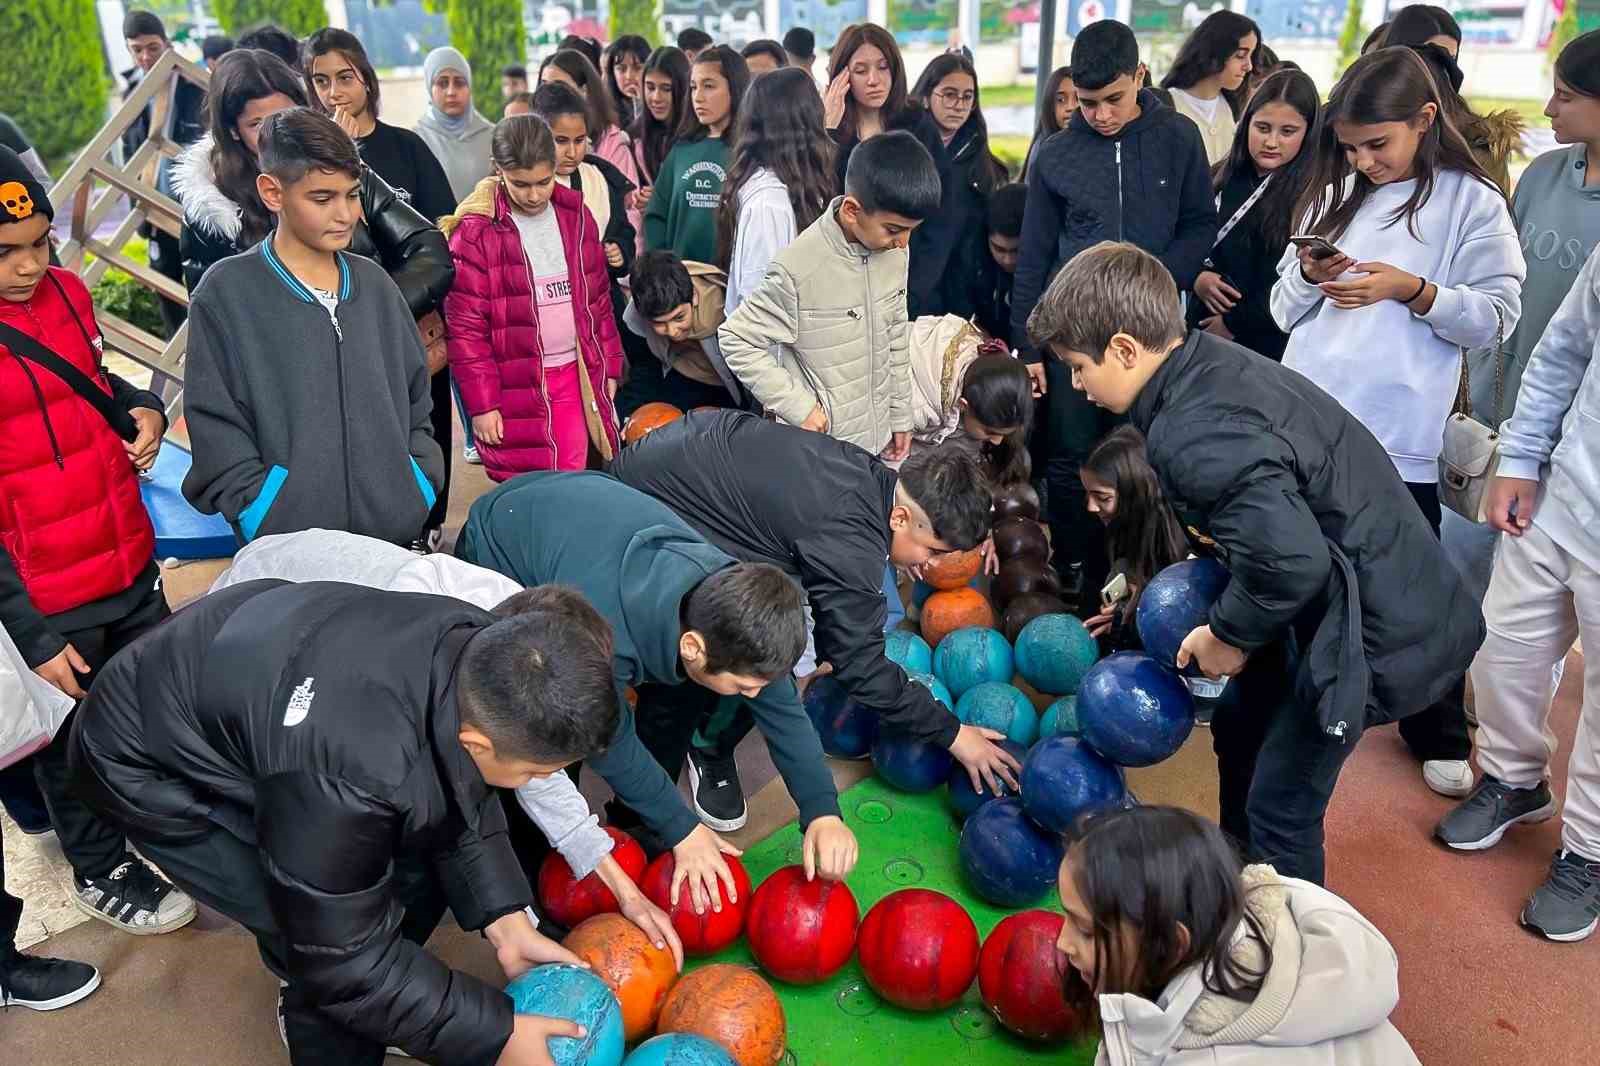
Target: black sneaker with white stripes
x=718, y=795
x=135, y=899
x=40, y=983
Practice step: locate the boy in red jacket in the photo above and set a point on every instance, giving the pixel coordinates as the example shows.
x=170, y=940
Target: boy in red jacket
x=78, y=576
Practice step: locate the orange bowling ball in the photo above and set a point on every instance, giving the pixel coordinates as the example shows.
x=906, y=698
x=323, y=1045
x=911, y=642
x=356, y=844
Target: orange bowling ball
x=950, y=610
x=648, y=417
x=731, y=1005
x=631, y=966
x=952, y=570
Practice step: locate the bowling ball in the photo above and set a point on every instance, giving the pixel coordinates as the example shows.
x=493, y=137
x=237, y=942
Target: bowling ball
x=1021, y=977
x=1063, y=778
x=845, y=728
x=963, y=800
x=568, y=900
x=732, y=1006
x=702, y=934
x=1016, y=500
x=637, y=972
x=997, y=705
x=679, y=1049
x=1053, y=653
x=952, y=570
x=1025, y=608
x=1005, y=858
x=935, y=686
x=1016, y=539
x=557, y=990
x=972, y=656
x=648, y=417
x=1133, y=710
x=952, y=609
x=1022, y=576
x=1060, y=719
x=909, y=650
x=910, y=765
x=918, y=949
x=802, y=931
x=1176, y=602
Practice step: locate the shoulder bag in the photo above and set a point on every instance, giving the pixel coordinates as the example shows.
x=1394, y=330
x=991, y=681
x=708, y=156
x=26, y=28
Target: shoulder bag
x=1470, y=455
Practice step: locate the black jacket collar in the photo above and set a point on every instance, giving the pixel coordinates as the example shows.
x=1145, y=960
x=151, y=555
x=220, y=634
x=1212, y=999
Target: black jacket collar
x=1150, y=399
x=459, y=773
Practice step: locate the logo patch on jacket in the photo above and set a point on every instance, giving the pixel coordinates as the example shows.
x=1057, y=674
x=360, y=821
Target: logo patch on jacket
x=299, y=703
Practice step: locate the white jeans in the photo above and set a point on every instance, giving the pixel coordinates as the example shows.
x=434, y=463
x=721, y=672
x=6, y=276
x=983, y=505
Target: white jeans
x=1540, y=599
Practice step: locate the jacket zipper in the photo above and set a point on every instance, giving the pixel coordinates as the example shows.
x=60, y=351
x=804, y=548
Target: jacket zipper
x=344, y=415
x=1119, y=191
x=871, y=363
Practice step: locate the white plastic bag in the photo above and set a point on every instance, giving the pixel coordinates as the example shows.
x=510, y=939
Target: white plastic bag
x=31, y=710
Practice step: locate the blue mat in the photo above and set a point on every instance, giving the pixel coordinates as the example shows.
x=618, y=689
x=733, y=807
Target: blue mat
x=181, y=531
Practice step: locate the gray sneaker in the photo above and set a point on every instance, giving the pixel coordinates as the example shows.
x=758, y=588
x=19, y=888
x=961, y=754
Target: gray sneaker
x=1566, y=908
x=1480, y=820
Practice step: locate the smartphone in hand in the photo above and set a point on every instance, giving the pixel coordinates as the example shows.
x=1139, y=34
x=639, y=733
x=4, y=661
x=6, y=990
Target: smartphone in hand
x=1114, y=592
x=1320, y=247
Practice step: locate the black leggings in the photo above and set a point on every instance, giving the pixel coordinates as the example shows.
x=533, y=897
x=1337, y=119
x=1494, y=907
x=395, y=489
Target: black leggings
x=1438, y=731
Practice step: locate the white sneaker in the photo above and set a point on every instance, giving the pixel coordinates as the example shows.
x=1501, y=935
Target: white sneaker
x=135, y=899
x=1448, y=777
x=469, y=454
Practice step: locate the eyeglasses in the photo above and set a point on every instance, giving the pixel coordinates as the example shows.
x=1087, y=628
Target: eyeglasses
x=952, y=98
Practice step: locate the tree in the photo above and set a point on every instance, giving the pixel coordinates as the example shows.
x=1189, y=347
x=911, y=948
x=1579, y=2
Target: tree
x=54, y=79
x=490, y=34
x=299, y=17
x=1351, y=36
x=1563, y=32
x=635, y=16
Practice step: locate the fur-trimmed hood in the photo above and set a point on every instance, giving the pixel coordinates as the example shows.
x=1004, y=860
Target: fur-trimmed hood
x=205, y=206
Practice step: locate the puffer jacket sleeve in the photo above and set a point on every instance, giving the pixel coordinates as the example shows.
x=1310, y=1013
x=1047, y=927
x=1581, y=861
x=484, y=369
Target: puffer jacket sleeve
x=414, y=252
x=769, y=315
x=199, y=251
x=469, y=342
x=340, y=919
x=480, y=874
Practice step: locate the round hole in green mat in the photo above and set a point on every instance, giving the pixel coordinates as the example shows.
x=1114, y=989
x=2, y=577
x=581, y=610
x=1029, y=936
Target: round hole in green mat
x=856, y=999
x=874, y=812
x=789, y=1058
x=903, y=871
x=974, y=1023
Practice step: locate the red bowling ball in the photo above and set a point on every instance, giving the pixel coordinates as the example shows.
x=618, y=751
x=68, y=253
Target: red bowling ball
x=802, y=931
x=569, y=900
x=1023, y=978
x=918, y=949
x=702, y=934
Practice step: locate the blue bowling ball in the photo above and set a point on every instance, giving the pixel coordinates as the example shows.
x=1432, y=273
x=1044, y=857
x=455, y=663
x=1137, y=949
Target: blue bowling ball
x=1008, y=861
x=971, y=656
x=680, y=1049
x=1064, y=779
x=1060, y=719
x=1054, y=651
x=1175, y=603
x=845, y=727
x=1133, y=710
x=963, y=800
x=997, y=705
x=910, y=765
x=909, y=650
x=557, y=990
x=935, y=686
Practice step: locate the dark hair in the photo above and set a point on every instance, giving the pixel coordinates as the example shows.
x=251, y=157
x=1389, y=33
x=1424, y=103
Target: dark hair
x=538, y=682
x=839, y=56
x=948, y=483
x=1143, y=533
x=800, y=42
x=1006, y=208
x=270, y=37
x=215, y=47
x=1207, y=50
x=1104, y=290
x=975, y=129
x=1151, y=869
x=1374, y=38
x=630, y=44
x=765, y=46
x=588, y=47
x=1414, y=24
x=602, y=113
x=525, y=98
x=243, y=75
x=780, y=130
x=737, y=74
x=1579, y=64
x=1045, y=124
x=659, y=283
x=138, y=23
x=999, y=393
x=1104, y=52
x=1277, y=205
x=1389, y=85
x=521, y=142
x=329, y=39
x=752, y=618
x=893, y=172
x=693, y=39
x=514, y=70
x=655, y=138
x=553, y=99
x=295, y=142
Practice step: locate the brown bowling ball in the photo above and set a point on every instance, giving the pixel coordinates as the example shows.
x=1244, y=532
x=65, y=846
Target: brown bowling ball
x=1020, y=577
x=1020, y=538
x=1017, y=500
x=1025, y=608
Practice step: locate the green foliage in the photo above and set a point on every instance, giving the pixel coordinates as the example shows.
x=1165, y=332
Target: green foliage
x=490, y=34
x=118, y=294
x=53, y=79
x=1563, y=32
x=636, y=16
x=1351, y=36
x=299, y=17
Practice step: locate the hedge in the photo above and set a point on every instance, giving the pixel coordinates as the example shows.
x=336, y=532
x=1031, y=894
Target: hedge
x=299, y=17
x=53, y=80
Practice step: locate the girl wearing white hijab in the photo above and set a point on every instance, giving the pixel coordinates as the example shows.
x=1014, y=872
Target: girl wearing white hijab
x=452, y=127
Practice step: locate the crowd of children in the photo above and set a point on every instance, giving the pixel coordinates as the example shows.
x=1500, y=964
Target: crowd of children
x=1236, y=315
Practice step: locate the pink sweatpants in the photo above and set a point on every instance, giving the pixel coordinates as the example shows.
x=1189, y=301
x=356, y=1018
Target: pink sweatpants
x=566, y=416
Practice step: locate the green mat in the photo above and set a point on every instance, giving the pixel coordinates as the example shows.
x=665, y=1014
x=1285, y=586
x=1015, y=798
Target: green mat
x=906, y=840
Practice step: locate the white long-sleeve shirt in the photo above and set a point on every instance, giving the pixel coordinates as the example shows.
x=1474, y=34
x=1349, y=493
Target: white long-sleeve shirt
x=766, y=227
x=1395, y=371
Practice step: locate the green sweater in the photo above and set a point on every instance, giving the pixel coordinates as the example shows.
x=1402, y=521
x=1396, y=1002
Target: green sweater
x=682, y=215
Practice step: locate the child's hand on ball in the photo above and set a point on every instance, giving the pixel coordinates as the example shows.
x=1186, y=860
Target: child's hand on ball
x=830, y=849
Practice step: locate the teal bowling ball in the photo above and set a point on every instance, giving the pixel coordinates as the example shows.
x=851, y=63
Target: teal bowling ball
x=680, y=1049
x=999, y=706
x=937, y=687
x=972, y=656
x=558, y=990
x=1053, y=653
x=910, y=651
x=1060, y=719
